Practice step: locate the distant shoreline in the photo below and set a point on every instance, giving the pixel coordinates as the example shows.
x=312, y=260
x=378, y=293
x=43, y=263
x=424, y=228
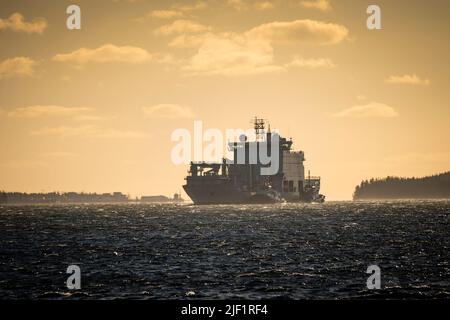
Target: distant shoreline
x=85, y=203
x=81, y=198
x=394, y=188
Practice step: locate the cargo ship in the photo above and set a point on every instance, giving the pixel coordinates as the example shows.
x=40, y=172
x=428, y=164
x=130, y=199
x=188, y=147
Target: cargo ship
x=241, y=180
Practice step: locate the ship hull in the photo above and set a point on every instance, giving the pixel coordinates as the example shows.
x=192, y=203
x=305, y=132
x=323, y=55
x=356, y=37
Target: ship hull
x=227, y=193
x=214, y=194
x=224, y=192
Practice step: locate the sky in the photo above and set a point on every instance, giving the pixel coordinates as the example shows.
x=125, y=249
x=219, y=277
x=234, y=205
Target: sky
x=93, y=109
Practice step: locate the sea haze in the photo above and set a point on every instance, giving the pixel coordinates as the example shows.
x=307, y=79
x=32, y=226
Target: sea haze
x=288, y=251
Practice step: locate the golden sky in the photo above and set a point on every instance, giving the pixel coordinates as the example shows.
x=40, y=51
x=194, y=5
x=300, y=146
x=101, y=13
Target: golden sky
x=93, y=109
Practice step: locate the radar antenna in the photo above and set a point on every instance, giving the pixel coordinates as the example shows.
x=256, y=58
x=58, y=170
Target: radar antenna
x=259, y=126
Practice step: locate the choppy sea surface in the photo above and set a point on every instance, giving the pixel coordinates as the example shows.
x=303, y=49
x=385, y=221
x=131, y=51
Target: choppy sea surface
x=287, y=251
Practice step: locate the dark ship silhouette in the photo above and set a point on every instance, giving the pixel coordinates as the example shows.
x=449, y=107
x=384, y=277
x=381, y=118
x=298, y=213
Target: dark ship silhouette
x=241, y=182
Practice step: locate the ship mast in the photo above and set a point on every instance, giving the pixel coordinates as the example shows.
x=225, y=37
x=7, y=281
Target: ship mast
x=259, y=126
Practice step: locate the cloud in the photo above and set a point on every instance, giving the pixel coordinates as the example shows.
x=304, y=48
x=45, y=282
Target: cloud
x=19, y=66
x=16, y=22
x=166, y=59
x=408, y=79
x=189, y=41
x=301, y=32
x=287, y=32
x=312, y=63
x=370, y=110
x=239, y=5
x=252, y=51
x=181, y=27
x=198, y=5
x=242, y=5
x=361, y=97
x=88, y=131
x=264, y=5
x=165, y=14
x=169, y=111
x=322, y=5
x=106, y=53
x=174, y=11
x=45, y=110
x=232, y=55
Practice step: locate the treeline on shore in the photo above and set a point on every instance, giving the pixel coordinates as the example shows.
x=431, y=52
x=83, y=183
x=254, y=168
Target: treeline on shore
x=76, y=197
x=56, y=197
x=431, y=187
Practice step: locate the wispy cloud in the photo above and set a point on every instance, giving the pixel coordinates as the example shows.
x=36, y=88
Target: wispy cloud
x=237, y=4
x=263, y=5
x=189, y=40
x=165, y=14
x=301, y=31
x=106, y=53
x=312, y=63
x=46, y=110
x=244, y=5
x=182, y=26
x=19, y=66
x=198, y=5
x=169, y=111
x=322, y=5
x=361, y=97
x=370, y=110
x=408, y=79
x=174, y=11
x=16, y=22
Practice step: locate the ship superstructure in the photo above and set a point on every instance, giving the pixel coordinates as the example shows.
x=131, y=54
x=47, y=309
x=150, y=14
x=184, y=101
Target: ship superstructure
x=242, y=179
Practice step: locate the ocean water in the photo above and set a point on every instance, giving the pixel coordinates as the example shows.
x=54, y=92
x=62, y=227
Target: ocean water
x=288, y=251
